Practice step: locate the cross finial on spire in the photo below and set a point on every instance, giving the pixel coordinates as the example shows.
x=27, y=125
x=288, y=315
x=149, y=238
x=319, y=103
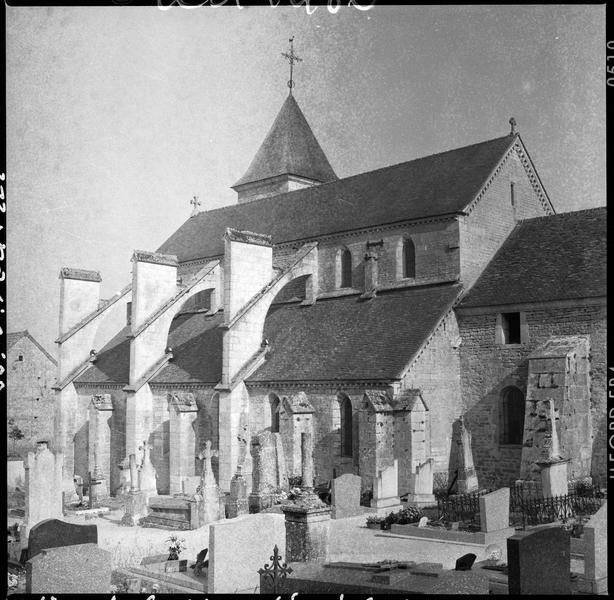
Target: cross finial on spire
x=196, y=203
x=292, y=58
x=512, y=125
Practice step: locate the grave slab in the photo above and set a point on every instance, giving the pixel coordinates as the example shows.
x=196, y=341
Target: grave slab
x=69, y=570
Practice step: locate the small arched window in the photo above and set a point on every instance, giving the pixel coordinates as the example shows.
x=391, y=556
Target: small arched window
x=512, y=416
x=346, y=426
x=409, y=259
x=274, y=405
x=346, y=269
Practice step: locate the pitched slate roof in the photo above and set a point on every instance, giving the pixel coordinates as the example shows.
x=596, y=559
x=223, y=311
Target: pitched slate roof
x=196, y=340
x=347, y=338
x=289, y=148
x=335, y=339
x=559, y=257
x=14, y=337
x=435, y=185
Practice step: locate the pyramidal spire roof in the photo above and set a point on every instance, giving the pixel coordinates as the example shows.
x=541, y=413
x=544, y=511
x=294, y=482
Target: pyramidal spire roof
x=290, y=148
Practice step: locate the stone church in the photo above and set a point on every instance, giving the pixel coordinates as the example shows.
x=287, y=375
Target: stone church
x=376, y=312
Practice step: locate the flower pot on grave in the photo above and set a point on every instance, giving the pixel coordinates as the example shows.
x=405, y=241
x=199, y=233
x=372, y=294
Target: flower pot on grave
x=175, y=566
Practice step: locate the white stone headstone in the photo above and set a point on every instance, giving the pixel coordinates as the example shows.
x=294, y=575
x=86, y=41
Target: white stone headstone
x=495, y=510
x=423, y=521
x=43, y=486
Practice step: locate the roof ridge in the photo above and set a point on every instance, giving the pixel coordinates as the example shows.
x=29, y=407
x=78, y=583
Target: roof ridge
x=342, y=179
x=567, y=214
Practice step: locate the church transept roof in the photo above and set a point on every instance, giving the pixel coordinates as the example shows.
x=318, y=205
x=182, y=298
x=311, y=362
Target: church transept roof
x=558, y=257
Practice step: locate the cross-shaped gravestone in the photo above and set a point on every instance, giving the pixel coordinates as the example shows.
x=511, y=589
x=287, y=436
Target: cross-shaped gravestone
x=207, y=478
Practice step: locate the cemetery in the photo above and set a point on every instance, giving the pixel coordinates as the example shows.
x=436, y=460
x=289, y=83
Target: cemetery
x=329, y=538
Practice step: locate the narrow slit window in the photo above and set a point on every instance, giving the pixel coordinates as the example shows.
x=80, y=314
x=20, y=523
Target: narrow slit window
x=346, y=269
x=409, y=259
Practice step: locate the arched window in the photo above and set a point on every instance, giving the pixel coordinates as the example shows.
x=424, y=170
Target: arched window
x=409, y=258
x=345, y=269
x=512, y=416
x=274, y=405
x=346, y=426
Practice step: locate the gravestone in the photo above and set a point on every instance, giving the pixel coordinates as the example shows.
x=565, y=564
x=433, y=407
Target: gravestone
x=465, y=562
x=43, y=486
x=69, y=570
x=467, y=479
x=237, y=503
x=539, y=562
x=423, y=521
x=239, y=547
x=268, y=471
x=595, y=580
x=386, y=488
x=495, y=510
x=147, y=473
x=345, y=496
x=209, y=494
x=53, y=533
x=135, y=501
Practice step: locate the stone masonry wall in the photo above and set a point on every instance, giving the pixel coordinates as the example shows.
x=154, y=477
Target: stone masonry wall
x=487, y=368
x=30, y=399
x=483, y=231
x=326, y=426
x=436, y=372
x=205, y=424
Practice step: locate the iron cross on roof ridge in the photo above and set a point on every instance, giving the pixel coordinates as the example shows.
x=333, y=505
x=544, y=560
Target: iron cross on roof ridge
x=292, y=58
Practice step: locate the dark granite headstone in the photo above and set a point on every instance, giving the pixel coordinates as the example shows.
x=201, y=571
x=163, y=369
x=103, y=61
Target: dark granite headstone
x=539, y=562
x=69, y=570
x=53, y=533
x=465, y=562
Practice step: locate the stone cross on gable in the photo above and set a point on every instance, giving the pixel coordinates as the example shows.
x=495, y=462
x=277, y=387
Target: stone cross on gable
x=145, y=448
x=196, y=203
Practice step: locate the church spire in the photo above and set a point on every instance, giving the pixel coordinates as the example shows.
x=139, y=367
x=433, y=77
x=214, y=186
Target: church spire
x=290, y=157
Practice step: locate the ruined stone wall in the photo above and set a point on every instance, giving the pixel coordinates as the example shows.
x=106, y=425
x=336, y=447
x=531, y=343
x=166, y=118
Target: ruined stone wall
x=29, y=397
x=487, y=368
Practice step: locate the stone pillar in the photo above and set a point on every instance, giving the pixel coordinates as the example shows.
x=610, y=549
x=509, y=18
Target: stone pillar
x=307, y=531
x=296, y=417
x=100, y=411
x=237, y=504
x=371, y=274
x=307, y=460
x=183, y=411
x=43, y=487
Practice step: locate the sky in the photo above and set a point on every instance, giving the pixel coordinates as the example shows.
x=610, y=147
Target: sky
x=118, y=116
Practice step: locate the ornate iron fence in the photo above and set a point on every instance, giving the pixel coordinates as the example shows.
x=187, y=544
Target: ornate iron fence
x=527, y=506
